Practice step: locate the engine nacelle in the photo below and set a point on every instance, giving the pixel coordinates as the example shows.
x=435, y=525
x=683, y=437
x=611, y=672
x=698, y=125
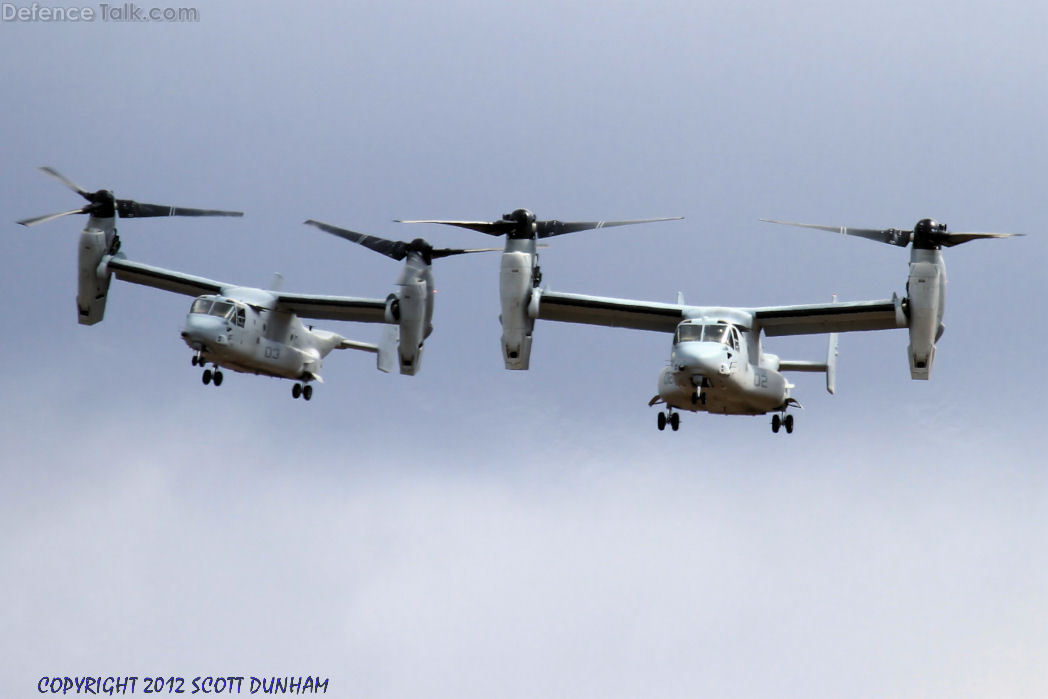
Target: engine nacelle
x=926, y=301
x=92, y=277
x=407, y=309
x=516, y=282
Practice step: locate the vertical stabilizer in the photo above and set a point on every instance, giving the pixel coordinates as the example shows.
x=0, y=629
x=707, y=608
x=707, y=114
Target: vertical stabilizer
x=387, y=348
x=831, y=365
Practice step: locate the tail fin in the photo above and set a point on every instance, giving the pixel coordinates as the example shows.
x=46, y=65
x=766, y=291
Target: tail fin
x=831, y=365
x=387, y=348
x=831, y=361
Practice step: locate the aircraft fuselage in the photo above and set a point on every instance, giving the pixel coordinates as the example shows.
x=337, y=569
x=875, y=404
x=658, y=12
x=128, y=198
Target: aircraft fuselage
x=714, y=377
x=244, y=335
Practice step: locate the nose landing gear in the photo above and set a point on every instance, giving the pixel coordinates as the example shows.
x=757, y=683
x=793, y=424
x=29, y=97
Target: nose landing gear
x=782, y=421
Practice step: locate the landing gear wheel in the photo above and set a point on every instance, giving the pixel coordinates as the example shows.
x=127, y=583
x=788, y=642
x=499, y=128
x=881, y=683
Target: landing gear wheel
x=194, y=360
x=206, y=378
x=662, y=421
x=307, y=392
x=695, y=398
x=675, y=421
x=296, y=390
x=218, y=378
x=788, y=423
x=776, y=423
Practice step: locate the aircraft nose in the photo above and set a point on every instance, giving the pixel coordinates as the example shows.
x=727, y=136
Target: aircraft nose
x=201, y=330
x=706, y=358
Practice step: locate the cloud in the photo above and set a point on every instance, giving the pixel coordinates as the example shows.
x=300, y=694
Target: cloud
x=627, y=573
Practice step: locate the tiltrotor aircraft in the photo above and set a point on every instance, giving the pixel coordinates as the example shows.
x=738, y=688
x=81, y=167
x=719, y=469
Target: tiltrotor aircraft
x=717, y=363
x=240, y=328
x=411, y=305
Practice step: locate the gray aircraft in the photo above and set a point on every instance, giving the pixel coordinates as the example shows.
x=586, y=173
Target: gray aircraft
x=240, y=328
x=718, y=364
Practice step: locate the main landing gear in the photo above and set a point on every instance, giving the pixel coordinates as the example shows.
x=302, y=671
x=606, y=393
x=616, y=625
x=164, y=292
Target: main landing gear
x=299, y=390
x=209, y=376
x=669, y=417
x=783, y=421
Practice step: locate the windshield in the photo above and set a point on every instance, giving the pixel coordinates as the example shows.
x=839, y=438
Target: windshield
x=221, y=309
x=689, y=333
x=201, y=306
x=715, y=332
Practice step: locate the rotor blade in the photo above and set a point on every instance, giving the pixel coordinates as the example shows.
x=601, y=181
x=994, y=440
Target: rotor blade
x=40, y=219
x=951, y=239
x=64, y=180
x=133, y=209
x=389, y=248
x=448, y=252
x=891, y=236
x=489, y=227
x=551, y=228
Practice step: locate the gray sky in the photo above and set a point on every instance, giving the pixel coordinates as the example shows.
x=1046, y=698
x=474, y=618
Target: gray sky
x=472, y=531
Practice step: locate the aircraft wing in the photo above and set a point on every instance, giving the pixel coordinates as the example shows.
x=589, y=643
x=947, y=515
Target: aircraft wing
x=619, y=313
x=321, y=307
x=304, y=305
x=820, y=318
x=160, y=278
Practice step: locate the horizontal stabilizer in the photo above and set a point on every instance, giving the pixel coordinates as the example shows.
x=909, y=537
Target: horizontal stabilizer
x=353, y=344
x=829, y=366
x=785, y=365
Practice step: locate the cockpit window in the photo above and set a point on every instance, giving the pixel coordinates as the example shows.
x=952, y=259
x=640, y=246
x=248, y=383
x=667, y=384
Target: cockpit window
x=241, y=316
x=201, y=306
x=688, y=333
x=713, y=332
x=222, y=309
